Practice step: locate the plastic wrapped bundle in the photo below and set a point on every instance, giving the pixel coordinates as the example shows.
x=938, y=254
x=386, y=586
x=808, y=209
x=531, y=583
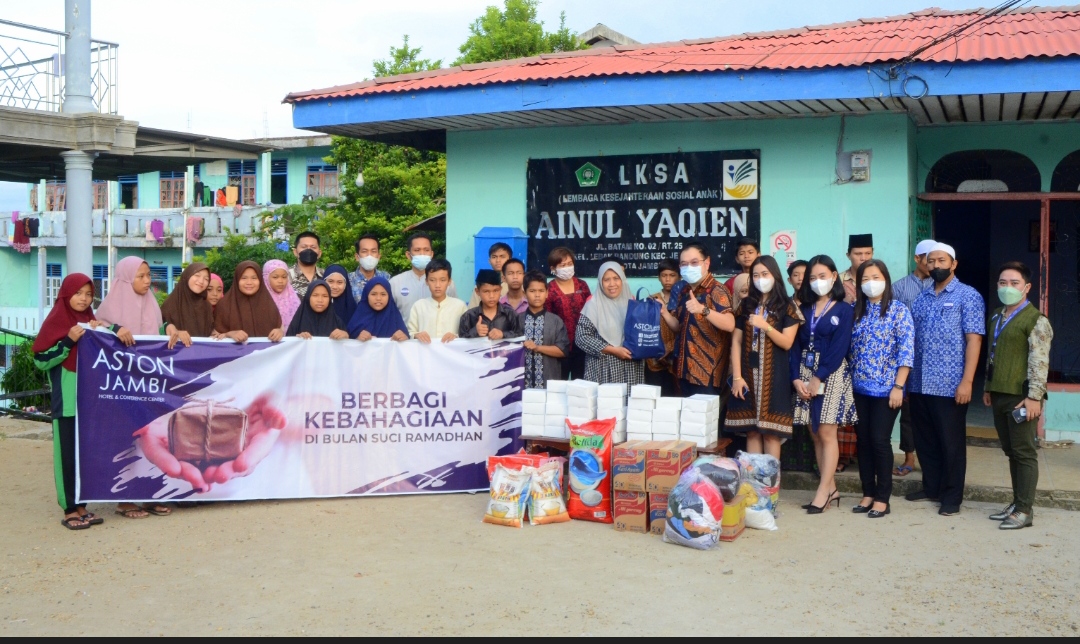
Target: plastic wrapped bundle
x=724, y=472
x=762, y=472
x=695, y=509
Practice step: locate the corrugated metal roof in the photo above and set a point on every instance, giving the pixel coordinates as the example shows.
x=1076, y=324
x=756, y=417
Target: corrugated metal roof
x=1023, y=33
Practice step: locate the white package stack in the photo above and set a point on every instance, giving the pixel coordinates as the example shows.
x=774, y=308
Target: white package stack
x=612, y=390
x=640, y=416
x=641, y=403
x=668, y=402
x=533, y=408
x=634, y=427
x=555, y=427
x=556, y=386
x=617, y=414
x=665, y=431
x=582, y=389
x=665, y=415
x=703, y=441
x=610, y=404
x=532, y=425
x=701, y=403
x=533, y=395
x=651, y=392
x=556, y=405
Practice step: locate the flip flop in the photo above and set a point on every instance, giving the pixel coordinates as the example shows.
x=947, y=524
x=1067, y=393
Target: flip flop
x=132, y=513
x=158, y=510
x=92, y=518
x=903, y=470
x=71, y=523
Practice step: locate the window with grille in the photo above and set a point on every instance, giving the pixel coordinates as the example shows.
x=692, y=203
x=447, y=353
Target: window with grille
x=101, y=282
x=159, y=278
x=242, y=174
x=101, y=195
x=174, y=277
x=322, y=181
x=54, y=275
x=172, y=190
x=55, y=196
x=129, y=190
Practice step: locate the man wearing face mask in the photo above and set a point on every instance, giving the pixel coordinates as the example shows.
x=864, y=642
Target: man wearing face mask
x=949, y=325
x=305, y=270
x=411, y=286
x=367, y=259
x=699, y=312
x=1017, y=363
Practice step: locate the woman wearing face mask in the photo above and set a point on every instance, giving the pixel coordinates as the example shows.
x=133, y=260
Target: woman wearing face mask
x=186, y=313
x=337, y=278
x=764, y=331
x=820, y=372
x=247, y=310
x=316, y=317
x=131, y=309
x=600, y=331
x=215, y=291
x=276, y=277
x=566, y=298
x=882, y=352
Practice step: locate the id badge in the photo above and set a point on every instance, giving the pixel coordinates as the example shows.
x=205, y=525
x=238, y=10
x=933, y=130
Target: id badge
x=990, y=372
x=809, y=360
x=755, y=360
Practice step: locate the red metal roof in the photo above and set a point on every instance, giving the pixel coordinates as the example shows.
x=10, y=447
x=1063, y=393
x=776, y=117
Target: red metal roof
x=1022, y=33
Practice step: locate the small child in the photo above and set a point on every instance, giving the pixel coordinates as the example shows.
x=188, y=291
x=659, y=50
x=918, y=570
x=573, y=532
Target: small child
x=513, y=272
x=490, y=319
x=546, y=340
x=439, y=315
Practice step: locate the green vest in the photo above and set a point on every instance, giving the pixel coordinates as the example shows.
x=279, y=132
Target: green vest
x=1011, y=353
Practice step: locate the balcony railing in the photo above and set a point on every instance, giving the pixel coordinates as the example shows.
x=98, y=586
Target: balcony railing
x=32, y=69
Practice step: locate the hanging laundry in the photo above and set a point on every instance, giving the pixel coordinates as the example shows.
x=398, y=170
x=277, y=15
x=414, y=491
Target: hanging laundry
x=33, y=226
x=208, y=197
x=149, y=233
x=194, y=229
x=237, y=210
x=15, y=216
x=21, y=241
x=232, y=195
x=157, y=229
x=199, y=185
x=221, y=199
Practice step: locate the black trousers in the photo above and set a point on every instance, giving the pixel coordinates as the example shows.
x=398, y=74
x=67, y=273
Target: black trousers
x=64, y=463
x=907, y=439
x=940, y=432
x=573, y=365
x=874, y=443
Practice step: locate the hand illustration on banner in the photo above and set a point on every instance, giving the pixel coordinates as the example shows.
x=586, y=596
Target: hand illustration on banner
x=265, y=422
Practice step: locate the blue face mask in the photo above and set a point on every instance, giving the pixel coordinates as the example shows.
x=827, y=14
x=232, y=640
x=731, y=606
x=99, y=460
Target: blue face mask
x=420, y=262
x=692, y=274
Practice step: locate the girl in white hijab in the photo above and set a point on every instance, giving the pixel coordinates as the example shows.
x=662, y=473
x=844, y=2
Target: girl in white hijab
x=600, y=331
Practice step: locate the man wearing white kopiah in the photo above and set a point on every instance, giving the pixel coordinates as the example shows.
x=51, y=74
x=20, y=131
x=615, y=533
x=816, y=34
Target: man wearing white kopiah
x=410, y=287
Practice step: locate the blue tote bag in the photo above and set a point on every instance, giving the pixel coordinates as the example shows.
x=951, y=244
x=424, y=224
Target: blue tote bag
x=641, y=333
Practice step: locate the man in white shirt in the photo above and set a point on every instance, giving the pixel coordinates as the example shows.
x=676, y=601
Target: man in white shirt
x=410, y=287
x=437, y=316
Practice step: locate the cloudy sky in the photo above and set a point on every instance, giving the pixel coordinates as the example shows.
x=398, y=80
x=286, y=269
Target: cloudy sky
x=222, y=67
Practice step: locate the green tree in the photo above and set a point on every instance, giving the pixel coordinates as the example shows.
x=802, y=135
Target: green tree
x=238, y=248
x=404, y=60
x=514, y=33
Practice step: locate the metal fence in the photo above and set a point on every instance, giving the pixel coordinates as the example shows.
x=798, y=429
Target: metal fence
x=32, y=69
x=24, y=389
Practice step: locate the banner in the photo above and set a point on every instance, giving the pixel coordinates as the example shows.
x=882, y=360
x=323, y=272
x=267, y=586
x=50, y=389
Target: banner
x=294, y=419
x=642, y=208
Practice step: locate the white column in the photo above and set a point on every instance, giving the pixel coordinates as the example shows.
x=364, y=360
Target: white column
x=77, y=96
x=264, y=179
x=42, y=259
x=41, y=201
x=189, y=187
x=79, y=168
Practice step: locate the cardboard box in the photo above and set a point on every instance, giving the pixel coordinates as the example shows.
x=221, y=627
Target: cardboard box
x=733, y=521
x=665, y=463
x=669, y=402
x=612, y=390
x=628, y=466
x=657, y=512
x=534, y=395
x=631, y=510
x=641, y=403
x=645, y=391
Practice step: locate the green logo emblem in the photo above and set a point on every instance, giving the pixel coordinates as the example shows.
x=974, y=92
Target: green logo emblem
x=588, y=176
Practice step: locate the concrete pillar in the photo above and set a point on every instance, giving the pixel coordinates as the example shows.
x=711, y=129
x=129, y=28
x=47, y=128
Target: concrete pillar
x=77, y=96
x=264, y=179
x=189, y=187
x=80, y=243
x=42, y=259
x=41, y=200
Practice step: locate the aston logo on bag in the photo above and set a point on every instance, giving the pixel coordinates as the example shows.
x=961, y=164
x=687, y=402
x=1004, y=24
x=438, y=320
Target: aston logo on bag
x=207, y=432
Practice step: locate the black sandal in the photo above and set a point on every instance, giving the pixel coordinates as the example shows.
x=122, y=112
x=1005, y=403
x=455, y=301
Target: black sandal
x=92, y=518
x=158, y=510
x=75, y=523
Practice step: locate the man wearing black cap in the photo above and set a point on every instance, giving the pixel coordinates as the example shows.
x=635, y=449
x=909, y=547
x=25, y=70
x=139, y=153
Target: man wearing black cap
x=860, y=248
x=490, y=319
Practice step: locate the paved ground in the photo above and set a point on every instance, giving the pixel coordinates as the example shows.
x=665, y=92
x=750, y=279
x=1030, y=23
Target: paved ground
x=427, y=565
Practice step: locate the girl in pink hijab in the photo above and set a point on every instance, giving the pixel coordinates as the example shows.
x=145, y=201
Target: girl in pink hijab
x=216, y=290
x=276, y=277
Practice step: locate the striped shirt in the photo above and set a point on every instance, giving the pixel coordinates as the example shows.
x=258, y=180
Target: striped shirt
x=907, y=289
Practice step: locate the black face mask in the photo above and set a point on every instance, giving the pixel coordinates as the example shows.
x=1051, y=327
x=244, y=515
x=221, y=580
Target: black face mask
x=940, y=274
x=308, y=257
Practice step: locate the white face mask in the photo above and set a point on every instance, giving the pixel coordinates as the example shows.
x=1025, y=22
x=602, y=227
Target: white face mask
x=764, y=284
x=564, y=272
x=369, y=263
x=821, y=287
x=873, y=288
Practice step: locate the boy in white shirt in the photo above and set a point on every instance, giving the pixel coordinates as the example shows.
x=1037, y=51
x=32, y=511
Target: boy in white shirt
x=439, y=315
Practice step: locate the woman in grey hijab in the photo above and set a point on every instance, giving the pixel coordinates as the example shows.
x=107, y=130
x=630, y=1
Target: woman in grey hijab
x=600, y=331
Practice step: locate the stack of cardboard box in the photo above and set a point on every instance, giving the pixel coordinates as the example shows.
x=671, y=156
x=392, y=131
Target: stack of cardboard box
x=581, y=401
x=643, y=473
x=700, y=419
x=555, y=410
x=533, y=402
x=665, y=419
x=611, y=403
x=639, y=412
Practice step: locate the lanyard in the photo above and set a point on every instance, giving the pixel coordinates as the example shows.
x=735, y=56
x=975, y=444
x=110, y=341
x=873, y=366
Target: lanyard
x=1002, y=322
x=814, y=319
x=757, y=331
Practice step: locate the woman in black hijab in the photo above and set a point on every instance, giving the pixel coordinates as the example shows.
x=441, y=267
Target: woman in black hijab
x=316, y=317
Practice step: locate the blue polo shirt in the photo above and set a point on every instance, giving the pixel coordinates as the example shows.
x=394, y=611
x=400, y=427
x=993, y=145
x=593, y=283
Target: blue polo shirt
x=941, y=322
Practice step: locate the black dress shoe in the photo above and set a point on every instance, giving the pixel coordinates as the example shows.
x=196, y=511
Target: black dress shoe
x=921, y=495
x=875, y=514
x=860, y=509
x=949, y=511
x=1004, y=514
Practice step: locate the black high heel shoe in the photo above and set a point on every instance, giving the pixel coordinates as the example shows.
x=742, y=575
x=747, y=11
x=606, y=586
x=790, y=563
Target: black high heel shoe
x=861, y=509
x=807, y=506
x=874, y=514
x=813, y=509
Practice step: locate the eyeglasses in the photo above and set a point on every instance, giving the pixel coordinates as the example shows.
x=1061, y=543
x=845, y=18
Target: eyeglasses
x=695, y=263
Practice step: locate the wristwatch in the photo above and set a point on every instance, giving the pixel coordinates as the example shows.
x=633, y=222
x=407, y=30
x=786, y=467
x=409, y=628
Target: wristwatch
x=897, y=385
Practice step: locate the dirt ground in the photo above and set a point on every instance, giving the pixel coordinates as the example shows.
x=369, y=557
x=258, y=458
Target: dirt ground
x=427, y=565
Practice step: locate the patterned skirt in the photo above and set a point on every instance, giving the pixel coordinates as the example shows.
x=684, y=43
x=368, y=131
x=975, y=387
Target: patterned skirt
x=751, y=414
x=835, y=407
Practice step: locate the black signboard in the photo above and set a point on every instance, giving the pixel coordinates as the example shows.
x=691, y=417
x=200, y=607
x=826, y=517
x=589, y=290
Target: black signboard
x=642, y=208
